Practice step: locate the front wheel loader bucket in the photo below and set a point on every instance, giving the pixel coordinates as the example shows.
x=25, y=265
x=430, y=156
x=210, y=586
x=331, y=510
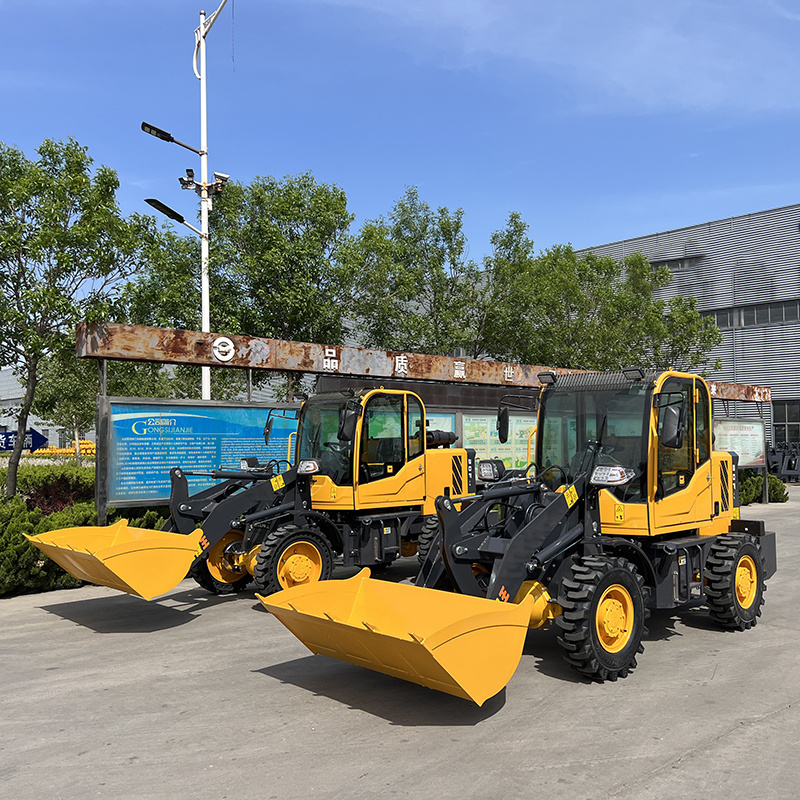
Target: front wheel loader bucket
x=138, y=561
x=466, y=646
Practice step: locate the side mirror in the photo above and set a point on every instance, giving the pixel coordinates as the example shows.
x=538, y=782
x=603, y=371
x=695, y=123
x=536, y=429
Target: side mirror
x=672, y=429
x=502, y=424
x=347, y=424
x=268, y=430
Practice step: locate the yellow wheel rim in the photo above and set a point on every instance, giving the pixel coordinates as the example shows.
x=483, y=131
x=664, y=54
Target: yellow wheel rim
x=300, y=562
x=746, y=581
x=218, y=565
x=615, y=618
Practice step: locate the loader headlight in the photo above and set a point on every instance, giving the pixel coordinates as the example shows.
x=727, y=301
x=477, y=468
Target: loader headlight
x=308, y=467
x=612, y=476
x=490, y=470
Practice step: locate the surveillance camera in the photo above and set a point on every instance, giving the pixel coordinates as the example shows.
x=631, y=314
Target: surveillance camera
x=190, y=174
x=186, y=183
x=221, y=177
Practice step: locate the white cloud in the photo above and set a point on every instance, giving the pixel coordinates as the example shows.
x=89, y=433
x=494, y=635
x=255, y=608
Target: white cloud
x=714, y=55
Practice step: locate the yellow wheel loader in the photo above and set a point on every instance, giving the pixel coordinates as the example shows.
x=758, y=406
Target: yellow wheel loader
x=627, y=508
x=362, y=490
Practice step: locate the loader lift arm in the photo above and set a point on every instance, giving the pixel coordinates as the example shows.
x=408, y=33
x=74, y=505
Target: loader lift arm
x=543, y=524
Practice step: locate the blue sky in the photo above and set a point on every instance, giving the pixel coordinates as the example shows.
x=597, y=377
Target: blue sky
x=595, y=120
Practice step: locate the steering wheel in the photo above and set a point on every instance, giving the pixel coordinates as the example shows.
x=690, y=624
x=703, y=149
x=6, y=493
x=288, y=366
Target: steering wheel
x=546, y=477
x=337, y=447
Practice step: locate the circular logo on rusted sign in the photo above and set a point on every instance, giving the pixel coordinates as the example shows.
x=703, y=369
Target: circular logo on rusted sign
x=223, y=348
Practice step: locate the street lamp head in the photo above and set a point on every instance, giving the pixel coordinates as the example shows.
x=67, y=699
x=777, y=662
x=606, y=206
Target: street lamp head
x=165, y=210
x=157, y=132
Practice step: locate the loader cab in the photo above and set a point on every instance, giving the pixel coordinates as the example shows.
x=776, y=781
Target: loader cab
x=365, y=449
x=682, y=489
x=656, y=426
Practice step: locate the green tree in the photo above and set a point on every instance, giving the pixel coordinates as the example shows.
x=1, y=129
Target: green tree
x=64, y=250
x=680, y=337
x=67, y=392
x=416, y=289
x=508, y=285
x=276, y=268
x=166, y=293
x=587, y=312
x=280, y=242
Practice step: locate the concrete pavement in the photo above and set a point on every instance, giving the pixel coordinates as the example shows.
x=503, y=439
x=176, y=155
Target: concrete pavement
x=105, y=695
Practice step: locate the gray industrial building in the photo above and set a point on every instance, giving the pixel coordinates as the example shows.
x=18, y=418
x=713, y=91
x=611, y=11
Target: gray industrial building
x=745, y=271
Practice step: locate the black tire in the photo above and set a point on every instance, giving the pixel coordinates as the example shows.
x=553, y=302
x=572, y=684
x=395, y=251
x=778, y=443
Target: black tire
x=734, y=578
x=602, y=624
x=313, y=562
x=207, y=581
x=429, y=531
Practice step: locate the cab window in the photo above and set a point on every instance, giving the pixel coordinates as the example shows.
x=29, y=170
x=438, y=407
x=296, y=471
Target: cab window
x=676, y=465
x=416, y=429
x=703, y=423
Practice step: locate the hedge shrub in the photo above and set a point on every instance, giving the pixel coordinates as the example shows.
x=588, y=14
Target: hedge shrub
x=23, y=567
x=53, y=487
x=751, y=486
x=51, y=497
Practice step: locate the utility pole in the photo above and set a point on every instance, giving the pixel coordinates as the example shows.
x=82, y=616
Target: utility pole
x=203, y=188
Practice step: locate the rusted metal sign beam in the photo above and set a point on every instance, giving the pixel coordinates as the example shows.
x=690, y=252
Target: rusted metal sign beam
x=178, y=346
x=720, y=390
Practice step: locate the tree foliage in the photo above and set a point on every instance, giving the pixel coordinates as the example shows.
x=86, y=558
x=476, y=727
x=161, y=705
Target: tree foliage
x=275, y=269
x=64, y=249
x=166, y=294
x=67, y=393
x=280, y=243
x=415, y=288
x=587, y=311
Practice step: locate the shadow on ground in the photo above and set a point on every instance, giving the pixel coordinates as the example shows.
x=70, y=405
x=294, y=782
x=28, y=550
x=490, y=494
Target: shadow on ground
x=396, y=701
x=127, y=614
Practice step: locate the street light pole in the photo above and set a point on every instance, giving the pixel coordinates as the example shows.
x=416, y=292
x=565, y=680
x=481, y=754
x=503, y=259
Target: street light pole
x=203, y=188
x=205, y=200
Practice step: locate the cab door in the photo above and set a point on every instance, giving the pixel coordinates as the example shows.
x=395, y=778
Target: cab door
x=683, y=493
x=390, y=468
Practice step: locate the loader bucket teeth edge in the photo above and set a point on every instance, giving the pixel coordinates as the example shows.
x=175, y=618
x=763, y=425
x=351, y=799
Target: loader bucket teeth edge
x=138, y=561
x=462, y=645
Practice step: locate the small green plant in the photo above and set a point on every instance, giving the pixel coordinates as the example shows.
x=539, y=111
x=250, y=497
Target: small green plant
x=23, y=567
x=52, y=487
x=751, y=488
x=750, y=484
x=778, y=493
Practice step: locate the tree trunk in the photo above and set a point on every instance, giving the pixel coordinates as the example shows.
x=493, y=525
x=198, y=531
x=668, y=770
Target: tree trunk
x=76, y=433
x=22, y=425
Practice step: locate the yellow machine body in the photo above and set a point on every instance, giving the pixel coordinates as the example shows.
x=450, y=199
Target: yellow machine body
x=465, y=646
x=138, y=561
x=689, y=488
x=393, y=467
x=470, y=646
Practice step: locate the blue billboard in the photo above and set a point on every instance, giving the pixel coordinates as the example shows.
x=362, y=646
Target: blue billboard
x=141, y=441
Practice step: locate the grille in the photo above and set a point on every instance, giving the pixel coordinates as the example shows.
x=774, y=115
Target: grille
x=458, y=476
x=724, y=480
